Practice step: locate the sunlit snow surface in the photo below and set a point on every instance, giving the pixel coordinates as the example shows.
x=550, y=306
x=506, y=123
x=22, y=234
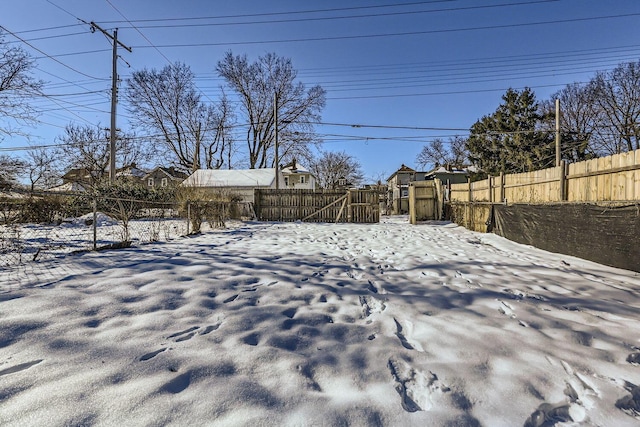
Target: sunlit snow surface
x=287, y=324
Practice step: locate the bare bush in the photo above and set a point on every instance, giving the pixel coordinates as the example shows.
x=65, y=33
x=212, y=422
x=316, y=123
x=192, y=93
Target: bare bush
x=204, y=204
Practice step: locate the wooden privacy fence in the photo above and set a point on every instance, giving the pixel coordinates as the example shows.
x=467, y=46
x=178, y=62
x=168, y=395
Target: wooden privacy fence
x=425, y=200
x=357, y=206
x=607, y=179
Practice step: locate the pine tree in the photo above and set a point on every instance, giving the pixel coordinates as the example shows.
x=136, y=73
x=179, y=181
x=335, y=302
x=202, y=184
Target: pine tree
x=511, y=140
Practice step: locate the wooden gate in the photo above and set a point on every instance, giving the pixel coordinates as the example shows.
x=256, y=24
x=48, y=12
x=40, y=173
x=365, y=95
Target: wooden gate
x=425, y=200
x=358, y=206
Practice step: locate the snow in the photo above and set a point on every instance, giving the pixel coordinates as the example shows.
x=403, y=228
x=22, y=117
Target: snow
x=287, y=324
x=231, y=178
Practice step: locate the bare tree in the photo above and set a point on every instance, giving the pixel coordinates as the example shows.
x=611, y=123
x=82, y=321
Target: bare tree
x=167, y=104
x=10, y=169
x=439, y=152
x=40, y=168
x=578, y=121
x=16, y=87
x=87, y=147
x=258, y=84
x=617, y=102
x=220, y=148
x=330, y=167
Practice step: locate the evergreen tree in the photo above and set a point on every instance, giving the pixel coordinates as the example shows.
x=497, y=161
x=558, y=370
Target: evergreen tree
x=510, y=140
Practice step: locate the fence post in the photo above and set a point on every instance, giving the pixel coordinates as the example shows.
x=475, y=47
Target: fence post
x=490, y=189
x=95, y=224
x=563, y=180
x=188, y=216
x=349, y=213
x=502, y=187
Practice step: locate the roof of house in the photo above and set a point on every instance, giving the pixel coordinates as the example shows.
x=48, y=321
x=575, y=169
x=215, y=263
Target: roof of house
x=443, y=170
x=299, y=169
x=131, y=171
x=293, y=167
x=69, y=186
x=403, y=168
x=231, y=178
x=170, y=172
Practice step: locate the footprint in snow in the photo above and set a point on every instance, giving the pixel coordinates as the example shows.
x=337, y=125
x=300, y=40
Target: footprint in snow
x=418, y=391
x=634, y=358
x=630, y=404
x=579, y=394
x=405, y=337
x=184, y=335
x=209, y=329
x=506, y=309
x=151, y=355
x=371, y=305
x=20, y=367
x=230, y=299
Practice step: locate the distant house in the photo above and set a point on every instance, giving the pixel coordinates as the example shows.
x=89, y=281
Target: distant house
x=78, y=175
x=71, y=187
x=130, y=172
x=161, y=177
x=343, y=183
x=78, y=179
x=297, y=177
x=241, y=182
x=448, y=175
x=398, y=189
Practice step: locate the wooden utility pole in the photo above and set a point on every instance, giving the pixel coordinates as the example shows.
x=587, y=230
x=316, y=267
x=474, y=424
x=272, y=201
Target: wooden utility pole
x=114, y=95
x=275, y=121
x=558, y=152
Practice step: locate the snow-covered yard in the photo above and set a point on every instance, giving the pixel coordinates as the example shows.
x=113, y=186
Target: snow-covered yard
x=287, y=324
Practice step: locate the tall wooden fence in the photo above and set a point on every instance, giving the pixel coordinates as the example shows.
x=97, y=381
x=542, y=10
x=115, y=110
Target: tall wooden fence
x=607, y=179
x=358, y=206
x=425, y=200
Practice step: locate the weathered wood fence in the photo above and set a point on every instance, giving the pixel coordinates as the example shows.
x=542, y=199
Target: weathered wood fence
x=425, y=200
x=357, y=206
x=607, y=179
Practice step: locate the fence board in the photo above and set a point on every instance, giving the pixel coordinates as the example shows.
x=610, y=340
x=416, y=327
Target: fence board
x=423, y=201
x=317, y=205
x=612, y=178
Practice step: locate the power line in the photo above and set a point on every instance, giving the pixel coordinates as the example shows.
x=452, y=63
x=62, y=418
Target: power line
x=333, y=18
x=341, y=9
x=398, y=34
x=49, y=56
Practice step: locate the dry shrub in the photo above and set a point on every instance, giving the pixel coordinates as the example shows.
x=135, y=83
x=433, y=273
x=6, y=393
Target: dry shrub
x=206, y=204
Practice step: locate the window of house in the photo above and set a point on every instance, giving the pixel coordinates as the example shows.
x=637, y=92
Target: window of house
x=286, y=181
x=301, y=179
x=164, y=182
x=405, y=193
x=150, y=182
x=342, y=182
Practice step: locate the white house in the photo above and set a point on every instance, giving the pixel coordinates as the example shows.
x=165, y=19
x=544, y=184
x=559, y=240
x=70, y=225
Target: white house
x=297, y=177
x=242, y=182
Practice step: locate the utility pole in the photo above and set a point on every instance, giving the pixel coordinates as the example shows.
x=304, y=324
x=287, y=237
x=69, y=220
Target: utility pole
x=114, y=95
x=558, y=153
x=275, y=121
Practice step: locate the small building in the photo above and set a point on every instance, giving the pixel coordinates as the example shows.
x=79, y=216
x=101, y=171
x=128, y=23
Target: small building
x=162, y=177
x=448, y=175
x=398, y=190
x=79, y=176
x=131, y=172
x=242, y=182
x=297, y=177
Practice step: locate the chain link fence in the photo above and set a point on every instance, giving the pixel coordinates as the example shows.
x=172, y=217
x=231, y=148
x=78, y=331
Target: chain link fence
x=37, y=229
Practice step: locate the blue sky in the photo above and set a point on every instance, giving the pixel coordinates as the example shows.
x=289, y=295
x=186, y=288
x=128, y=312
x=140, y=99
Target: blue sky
x=405, y=71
